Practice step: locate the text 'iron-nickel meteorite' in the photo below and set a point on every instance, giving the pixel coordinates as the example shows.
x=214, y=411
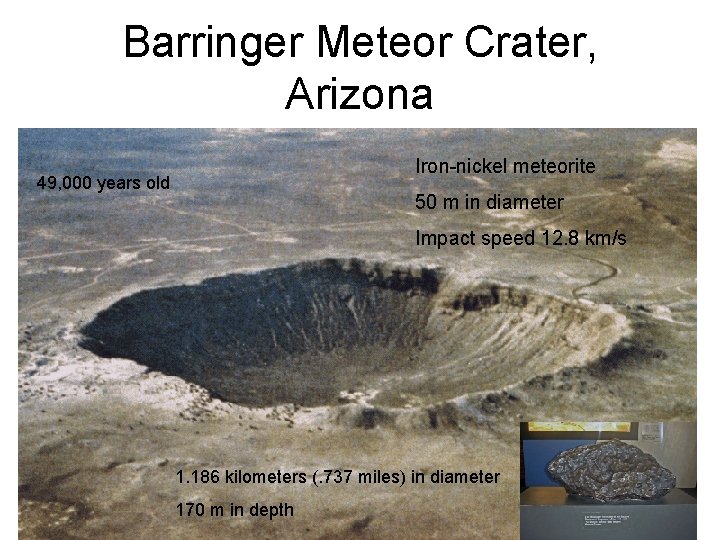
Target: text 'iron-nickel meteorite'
x=611, y=471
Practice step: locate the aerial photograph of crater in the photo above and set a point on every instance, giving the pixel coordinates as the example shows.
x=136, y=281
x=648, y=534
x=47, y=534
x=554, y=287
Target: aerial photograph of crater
x=327, y=334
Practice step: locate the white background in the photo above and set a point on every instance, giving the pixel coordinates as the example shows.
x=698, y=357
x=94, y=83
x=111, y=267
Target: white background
x=655, y=66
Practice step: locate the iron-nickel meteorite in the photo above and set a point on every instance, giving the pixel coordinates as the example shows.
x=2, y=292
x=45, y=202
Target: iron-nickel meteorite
x=611, y=471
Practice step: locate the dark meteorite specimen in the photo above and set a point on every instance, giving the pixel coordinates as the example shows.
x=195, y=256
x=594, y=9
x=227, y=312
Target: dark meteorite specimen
x=611, y=471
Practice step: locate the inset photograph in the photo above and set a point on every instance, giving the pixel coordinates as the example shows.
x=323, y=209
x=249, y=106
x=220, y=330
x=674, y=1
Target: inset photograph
x=608, y=479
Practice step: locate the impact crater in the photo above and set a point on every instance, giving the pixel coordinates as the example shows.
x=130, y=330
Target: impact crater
x=315, y=331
